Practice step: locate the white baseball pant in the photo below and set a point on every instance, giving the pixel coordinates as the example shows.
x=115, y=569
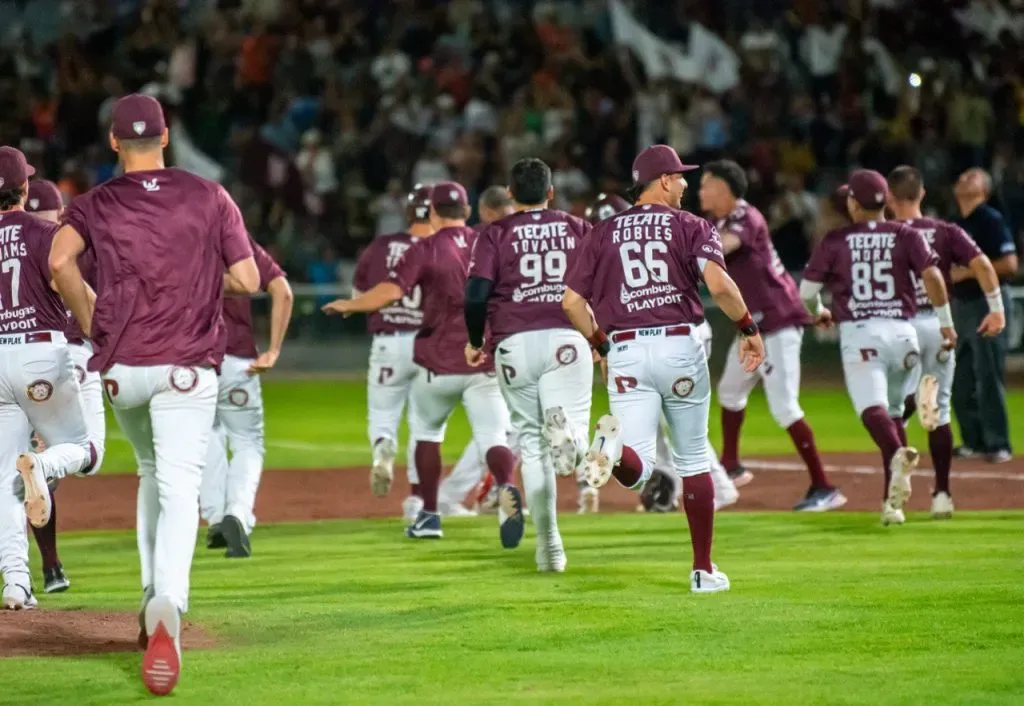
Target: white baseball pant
x=434, y=398
x=92, y=400
x=38, y=390
x=780, y=373
x=935, y=360
x=229, y=488
x=167, y=413
x=657, y=373
x=539, y=370
x=880, y=358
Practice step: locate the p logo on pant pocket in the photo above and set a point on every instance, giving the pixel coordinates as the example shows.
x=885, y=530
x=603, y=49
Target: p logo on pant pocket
x=111, y=388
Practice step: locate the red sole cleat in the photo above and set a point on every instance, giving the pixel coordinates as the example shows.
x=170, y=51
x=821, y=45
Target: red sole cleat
x=161, y=665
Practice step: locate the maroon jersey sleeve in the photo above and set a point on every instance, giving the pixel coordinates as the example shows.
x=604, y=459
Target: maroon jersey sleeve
x=76, y=215
x=581, y=276
x=484, y=261
x=268, y=269
x=962, y=248
x=919, y=253
x=820, y=264
x=407, y=271
x=706, y=243
x=234, y=238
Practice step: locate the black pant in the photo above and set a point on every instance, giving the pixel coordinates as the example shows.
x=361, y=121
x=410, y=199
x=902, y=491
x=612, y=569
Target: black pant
x=979, y=395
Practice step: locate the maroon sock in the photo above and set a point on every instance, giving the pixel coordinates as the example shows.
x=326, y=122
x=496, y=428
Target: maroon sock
x=428, y=465
x=909, y=407
x=699, y=503
x=901, y=430
x=732, y=421
x=502, y=464
x=803, y=438
x=885, y=435
x=940, y=445
x=46, y=537
x=630, y=469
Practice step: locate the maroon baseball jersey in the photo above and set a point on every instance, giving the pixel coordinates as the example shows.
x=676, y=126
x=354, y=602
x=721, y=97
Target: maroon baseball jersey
x=869, y=267
x=952, y=246
x=770, y=292
x=379, y=257
x=527, y=255
x=87, y=266
x=162, y=240
x=642, y=268
x=238, y=309
x=440, y=266
x=28, y=303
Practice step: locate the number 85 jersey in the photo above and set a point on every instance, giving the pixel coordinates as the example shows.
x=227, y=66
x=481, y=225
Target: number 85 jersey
x=642, y=267
x=869, y=267
x=527, y=256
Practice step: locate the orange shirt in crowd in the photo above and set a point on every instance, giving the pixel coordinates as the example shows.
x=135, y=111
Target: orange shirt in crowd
x=254, y=61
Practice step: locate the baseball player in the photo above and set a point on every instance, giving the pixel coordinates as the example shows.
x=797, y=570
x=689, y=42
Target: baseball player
x=641, y=270
x=163, y=239
x=545, y=371
x=606, y=206
x=780, y=315
x=227, y=495
x=953, y=247
x=439, y=265
x=868, y=267
x=38, y=387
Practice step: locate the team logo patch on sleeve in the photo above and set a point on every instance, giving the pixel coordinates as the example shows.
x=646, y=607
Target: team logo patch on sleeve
x=184, y=379
x=911, y=360
x=238, y=397
x=566, y=355
x=39, y=391
x=682, y=387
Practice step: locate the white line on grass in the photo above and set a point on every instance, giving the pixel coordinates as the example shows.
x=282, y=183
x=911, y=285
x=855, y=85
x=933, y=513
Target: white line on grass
x=787, y=466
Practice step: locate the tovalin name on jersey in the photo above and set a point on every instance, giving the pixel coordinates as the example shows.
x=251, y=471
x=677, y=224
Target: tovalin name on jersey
x=542, y=237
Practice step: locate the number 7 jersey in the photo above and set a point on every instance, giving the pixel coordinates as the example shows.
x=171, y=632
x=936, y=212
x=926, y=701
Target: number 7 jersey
x=527, y=255
x=869, y=268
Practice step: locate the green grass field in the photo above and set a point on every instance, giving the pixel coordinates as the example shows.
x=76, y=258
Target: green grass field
x=829, y=609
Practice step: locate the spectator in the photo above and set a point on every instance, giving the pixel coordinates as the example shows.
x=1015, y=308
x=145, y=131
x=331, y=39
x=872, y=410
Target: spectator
x=316, y=164
x=791, y=220
x=389, y=209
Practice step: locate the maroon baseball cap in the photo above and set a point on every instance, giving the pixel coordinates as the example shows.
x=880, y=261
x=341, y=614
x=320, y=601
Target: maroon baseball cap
x=657, y=160
x=14, y=169
x=606, y=206
x=137, y=116
x=43, y=195
x=417, y=206
x=868, y=188
x=448, y=193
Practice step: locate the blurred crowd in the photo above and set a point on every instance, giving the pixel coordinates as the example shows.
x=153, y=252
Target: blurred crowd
x=318, y=115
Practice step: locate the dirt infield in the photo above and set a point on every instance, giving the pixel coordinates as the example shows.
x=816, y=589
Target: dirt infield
x=108, y=502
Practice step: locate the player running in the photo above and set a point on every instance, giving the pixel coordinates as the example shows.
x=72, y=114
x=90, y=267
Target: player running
x=162, y=239
x=438, y=264
x=868, y=267
x=641, y=272
x=953, y=247
x=545, y=371
x=39, y=388
x=780, y=315
x=227, y=495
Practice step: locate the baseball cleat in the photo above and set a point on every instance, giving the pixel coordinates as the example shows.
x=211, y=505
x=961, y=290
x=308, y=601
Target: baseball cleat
x=55, y=580
x=454, y=510
x=739, y=476
x=708, y=582
x=589, y=500
x=821, y=500
x=427, y=525
x=17, y=597
x=37, y=495
x=235, y=537
x=725, y=495
x=560, y=441
x=892, y=515
x=902, y=467
x=1000, y=456
x=161, y=664
x=382, y=471
x=928, y=402
x=215, y=538
x=511, y=522
x=964, y=452
x=411, y=508
x=605, y=451
x=550, y=557
x=942, y=506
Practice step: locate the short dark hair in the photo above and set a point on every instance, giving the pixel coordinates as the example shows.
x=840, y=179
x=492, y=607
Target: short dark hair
x=142, y=144
x=636, y=190
x=905, y=183
x=731, y=173
x=450, y=210
x=530, y=181
x=9, y=198
x=495, y=197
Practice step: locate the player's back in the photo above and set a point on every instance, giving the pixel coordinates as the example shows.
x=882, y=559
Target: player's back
x=527, y=255
x=27, y=302
x=769, y=290
x=868, y=267
x=380, y=256
x=951, y=245
x=162, y=239
x=641, y=268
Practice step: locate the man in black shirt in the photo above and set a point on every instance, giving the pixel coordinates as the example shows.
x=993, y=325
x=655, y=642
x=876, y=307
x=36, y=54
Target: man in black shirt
x=979, y=396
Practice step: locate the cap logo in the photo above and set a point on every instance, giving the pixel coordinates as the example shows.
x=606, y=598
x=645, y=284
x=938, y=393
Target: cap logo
x=33, y=204
x=879, y=196
x=454, y=195
x=636, y=175
x=1, y=182
x=139, y=126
